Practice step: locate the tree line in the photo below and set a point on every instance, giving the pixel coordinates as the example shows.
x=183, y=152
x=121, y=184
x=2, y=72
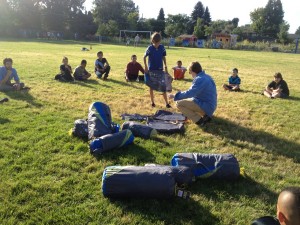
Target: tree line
x=69, y=17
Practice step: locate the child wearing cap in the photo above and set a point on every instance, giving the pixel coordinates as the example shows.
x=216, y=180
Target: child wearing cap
x=233, y=82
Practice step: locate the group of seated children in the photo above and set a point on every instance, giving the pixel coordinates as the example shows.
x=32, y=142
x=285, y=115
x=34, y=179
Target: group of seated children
x=278, y=88
x=102, y=69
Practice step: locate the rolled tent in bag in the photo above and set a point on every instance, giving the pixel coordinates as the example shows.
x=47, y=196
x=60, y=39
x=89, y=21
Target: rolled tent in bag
x=139, y=129
x=99, y=120
x=111, y=141
x=138, y=182
x=158, y=80
x=214, y=166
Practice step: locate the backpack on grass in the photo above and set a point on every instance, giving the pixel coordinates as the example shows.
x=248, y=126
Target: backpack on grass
x=80, y=129
x=99, y=120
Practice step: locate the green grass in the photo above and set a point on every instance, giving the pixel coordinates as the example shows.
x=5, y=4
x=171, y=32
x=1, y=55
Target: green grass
x=49, y=177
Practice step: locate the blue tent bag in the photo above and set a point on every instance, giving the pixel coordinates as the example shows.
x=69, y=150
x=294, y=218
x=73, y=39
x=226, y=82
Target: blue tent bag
x=111, y=141
x=139, y=129
x=99, y=120
x=212, y=166
x=138, y=182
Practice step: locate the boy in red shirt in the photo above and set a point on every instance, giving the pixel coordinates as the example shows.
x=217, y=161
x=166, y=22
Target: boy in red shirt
x=132, y=70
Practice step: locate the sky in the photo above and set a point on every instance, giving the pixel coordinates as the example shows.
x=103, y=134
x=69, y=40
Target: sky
x=219, y=9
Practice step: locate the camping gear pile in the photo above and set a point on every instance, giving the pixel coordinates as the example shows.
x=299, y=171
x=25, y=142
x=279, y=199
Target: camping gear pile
x=159, y=181
x=149, y=181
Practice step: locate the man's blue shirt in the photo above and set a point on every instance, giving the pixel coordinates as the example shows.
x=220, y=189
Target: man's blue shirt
x=14, y=75
x=203, y=92
x=155, y=61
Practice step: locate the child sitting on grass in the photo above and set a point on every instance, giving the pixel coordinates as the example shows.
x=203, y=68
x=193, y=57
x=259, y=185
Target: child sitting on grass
x=66, y=70
x=132, y=70
x=102, y=67
x=234, y=81
x=179, y=71
x=80, y=72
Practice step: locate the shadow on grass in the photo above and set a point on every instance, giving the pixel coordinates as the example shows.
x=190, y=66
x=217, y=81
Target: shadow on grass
x=272, y=144
x=248, y=91
x=124, y=83
x=245, y=186
x=4, y=120
x=23, y=95
x=171, y=211
x=136, y=153
x=293, y=98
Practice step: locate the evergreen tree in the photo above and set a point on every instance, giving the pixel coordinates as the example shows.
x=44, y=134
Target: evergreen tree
x=198, y=12
x=161, y=22
x=206, y=17
x=235, y=22
x=273, y=17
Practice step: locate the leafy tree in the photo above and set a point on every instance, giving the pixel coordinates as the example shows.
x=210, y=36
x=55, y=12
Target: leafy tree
x=283, y=33
x=132, y=20
x=26, y=13
x=198, y=12
x=5, y=18
x=266, y=21
x=243, y=31
x=144, y=24
x=298, y=31
x=199, y=30
x=109, y=29
x=176, y=24
x=114, y=10
x=257, y=18
x=222, y=26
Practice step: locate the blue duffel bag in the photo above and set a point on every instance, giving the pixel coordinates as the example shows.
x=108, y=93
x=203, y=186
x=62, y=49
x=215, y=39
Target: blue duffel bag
x=213, y=166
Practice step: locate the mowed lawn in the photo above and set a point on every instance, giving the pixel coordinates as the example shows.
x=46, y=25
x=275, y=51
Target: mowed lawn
x=49, y=177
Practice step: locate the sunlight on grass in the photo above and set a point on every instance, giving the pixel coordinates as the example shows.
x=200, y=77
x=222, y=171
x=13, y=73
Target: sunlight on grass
x=49, y=177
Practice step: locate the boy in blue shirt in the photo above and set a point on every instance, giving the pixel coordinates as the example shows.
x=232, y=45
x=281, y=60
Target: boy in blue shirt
x=234, y=81
x=199, y=102
x=156, y=54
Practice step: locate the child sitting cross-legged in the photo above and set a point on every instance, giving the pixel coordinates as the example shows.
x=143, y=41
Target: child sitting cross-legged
x=233, y=82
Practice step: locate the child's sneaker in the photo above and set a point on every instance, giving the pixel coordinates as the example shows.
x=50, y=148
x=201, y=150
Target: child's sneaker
x=153, y=104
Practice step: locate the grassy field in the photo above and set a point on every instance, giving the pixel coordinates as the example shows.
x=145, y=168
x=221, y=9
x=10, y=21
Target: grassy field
x=49, y=177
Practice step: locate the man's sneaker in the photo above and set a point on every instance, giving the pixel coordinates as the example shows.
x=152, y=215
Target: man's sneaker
x=168, y=106
x=4, y=100
x=205, y=119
